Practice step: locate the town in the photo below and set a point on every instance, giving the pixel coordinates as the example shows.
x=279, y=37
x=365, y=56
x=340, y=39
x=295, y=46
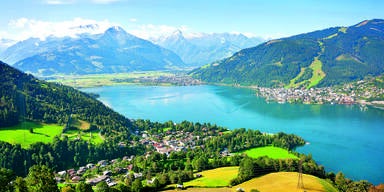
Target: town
x=117, y=170
x=361, y=92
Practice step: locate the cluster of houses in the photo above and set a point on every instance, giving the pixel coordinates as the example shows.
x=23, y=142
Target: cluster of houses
x=181, y=80
x=347, y=94
x=173, y=141
x=163, y=143
x=308, y=96
x=75, y=176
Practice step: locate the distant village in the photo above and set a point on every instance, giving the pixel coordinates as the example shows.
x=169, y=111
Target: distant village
x=356, y=93
x=179, y=80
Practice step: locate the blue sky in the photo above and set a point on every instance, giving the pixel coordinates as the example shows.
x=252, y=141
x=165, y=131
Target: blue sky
x=145, y=18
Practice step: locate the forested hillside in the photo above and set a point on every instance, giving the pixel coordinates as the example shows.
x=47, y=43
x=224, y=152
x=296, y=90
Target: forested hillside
x=25, y=98
x=321, y=58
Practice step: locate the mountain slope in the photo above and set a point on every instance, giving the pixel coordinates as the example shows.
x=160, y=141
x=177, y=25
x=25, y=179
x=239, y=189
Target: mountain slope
x=23, y=97
x=113, y=51
x=205, y=48
x=321, y=58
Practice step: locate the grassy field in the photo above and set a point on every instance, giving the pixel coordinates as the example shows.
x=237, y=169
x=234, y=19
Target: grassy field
x=92, y=136
x=318, y=74
x=204, y=189
x=270, y=151
x=292, y=83
x=93, y=80
x=219, y=177
x=20, y=134
x=285, y=181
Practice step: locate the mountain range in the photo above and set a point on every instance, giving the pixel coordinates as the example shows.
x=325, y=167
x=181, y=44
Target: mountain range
x=203, y=48
x=321, y=58
x=114, y=51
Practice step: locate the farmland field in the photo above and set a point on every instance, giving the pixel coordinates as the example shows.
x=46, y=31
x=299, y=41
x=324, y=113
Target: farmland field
x=285, y=181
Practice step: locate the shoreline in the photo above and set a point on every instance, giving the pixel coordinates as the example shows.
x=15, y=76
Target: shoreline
x=344, y=95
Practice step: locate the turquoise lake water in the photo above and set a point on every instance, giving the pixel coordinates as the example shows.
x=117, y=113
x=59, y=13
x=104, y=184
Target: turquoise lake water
x=341, y=137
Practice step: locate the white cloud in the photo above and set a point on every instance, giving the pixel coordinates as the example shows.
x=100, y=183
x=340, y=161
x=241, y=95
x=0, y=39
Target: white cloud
x=104, y=1
x=59, y=2
x=24, y=28
x=133, y=20
x=65, y=2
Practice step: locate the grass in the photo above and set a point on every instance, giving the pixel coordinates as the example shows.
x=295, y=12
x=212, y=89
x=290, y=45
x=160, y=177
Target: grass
x=80, y=124
x=281, y=181
x=347, y=57
x=20, y=134
x=270, y=151
x=285, y=181
x=167, y=129
x=292, y=81
x=92, y=136
x=317, y=74
x=94, y=80
x=327, y=186
x=343, y=29
x=204, y=189
x=219, y=177
x=331, y=36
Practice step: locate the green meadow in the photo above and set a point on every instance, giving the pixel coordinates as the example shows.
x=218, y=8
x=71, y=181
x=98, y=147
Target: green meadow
x=20, y=134
x=270, y=151
x=219, y=177
x=92, y=136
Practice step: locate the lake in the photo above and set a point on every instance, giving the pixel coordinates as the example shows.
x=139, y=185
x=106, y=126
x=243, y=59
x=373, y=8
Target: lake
x=341, y=137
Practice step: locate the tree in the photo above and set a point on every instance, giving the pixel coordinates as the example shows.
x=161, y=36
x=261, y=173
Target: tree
x=246, y=169
x=122, y=188
x=341, y=182
x=102, y=187
x=67, y=189
x=41, y=178
x=156, y=183
x=137, y=186
x=6, y=176
x=163, y=180
x=20, y=185
x=84, y=187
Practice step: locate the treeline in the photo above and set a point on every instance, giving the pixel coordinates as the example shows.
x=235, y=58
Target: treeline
x=61, y=154
x=250, y=168
x=23, y=97
x=242, y=139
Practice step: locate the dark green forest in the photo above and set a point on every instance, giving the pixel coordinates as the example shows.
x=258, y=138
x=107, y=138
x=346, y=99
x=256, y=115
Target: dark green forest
x=25, y=98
